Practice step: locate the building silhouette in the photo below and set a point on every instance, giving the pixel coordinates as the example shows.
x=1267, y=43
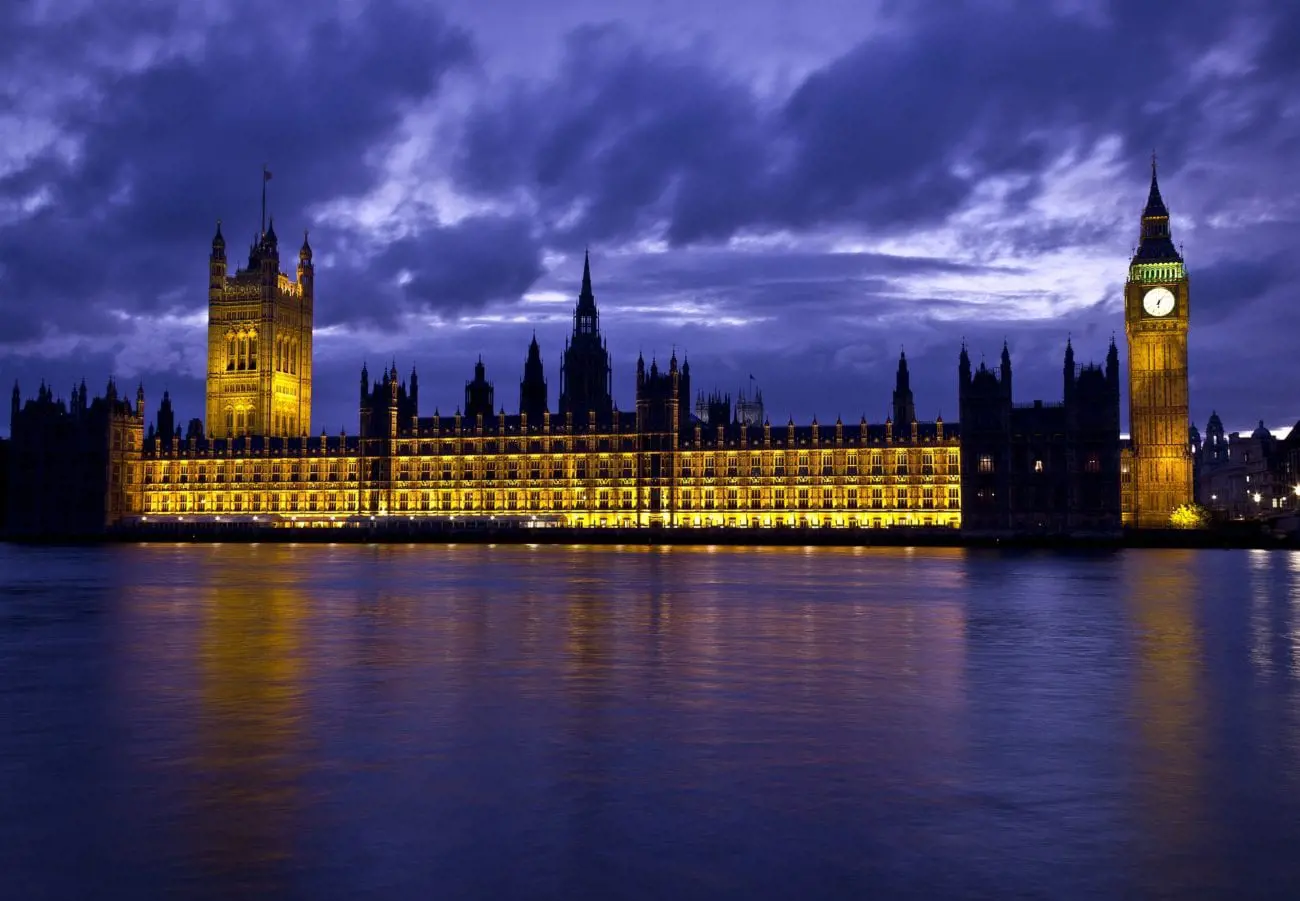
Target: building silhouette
x=532, y=388
x=1040, y=467
x=73, y=467
x=585, y=387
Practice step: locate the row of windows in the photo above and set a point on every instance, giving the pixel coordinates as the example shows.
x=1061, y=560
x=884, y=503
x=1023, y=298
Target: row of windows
x=427, y=471
x=241, y=353
x=241, y=421
x=537, y=500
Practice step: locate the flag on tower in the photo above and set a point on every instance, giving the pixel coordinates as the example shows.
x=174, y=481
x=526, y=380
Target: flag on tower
x=266, y=174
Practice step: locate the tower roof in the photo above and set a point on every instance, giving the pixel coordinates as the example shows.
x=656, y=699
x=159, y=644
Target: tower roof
x=1155, y=203
x=1156, y=244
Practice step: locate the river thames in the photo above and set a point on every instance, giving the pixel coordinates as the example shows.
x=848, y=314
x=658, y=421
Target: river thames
x=345, y=722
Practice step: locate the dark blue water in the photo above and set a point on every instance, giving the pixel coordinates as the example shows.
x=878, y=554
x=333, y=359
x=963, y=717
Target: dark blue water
x=428, y=722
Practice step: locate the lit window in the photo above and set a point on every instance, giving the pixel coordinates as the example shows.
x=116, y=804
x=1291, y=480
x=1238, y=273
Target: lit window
x=986, y=463
x=1038, y=466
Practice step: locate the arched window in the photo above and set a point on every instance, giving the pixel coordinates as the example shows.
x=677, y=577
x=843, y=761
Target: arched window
x=239, y=421
x=230, y=421
x=293, y=358
x=252, y=351
x=230, y=351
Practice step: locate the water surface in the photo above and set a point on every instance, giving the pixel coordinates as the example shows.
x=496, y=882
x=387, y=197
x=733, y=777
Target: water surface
x=355, y=722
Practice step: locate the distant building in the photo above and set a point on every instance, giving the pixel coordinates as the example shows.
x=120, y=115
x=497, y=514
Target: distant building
x=73, y=468
x=1040, y=467
x=1250, y=476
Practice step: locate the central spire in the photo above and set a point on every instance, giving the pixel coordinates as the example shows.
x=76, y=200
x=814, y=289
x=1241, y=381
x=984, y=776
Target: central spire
x=586, y=298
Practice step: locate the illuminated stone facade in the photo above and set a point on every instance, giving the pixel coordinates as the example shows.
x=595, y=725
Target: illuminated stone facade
x=1156, y=307
x=655, y=466
x=259, y=342
x=570, y=474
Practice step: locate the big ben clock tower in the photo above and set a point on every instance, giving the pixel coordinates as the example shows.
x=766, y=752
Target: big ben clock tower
x=1156, y=310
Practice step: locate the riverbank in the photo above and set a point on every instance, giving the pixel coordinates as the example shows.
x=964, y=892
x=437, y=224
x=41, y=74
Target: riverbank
x=405, y=532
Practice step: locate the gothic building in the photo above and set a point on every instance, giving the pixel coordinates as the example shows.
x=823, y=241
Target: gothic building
x=585, y=371
x=589, y=465
x=1156, y=308
x=1053, y=467
x=73, y=468
x=259, y=341
x=1040, y=467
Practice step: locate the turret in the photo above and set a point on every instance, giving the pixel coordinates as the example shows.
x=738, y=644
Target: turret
x=365, y=385
x=1006, y=370
x=217, y=261
x=963, y=371
x=904, y=407
x=532, y=388
x=166, y=423
x=269, y=253
x=1067, y=372
x=479, y=393
x=1112, y=365
x=306, y=272
x=139, y=399
x=14, y=405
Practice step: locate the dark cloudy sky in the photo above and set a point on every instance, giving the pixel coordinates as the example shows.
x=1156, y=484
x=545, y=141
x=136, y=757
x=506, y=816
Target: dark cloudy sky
x=792, y=190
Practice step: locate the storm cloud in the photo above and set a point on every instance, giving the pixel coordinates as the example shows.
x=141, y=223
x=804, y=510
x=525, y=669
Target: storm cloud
x=792, y=201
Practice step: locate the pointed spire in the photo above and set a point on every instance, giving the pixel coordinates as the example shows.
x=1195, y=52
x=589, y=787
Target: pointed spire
x=586, y=298
x=1155, y=207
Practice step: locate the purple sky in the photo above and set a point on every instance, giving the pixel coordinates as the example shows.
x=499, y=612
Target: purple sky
x=789, y=194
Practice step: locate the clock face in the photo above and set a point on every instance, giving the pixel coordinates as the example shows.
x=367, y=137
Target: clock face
x=1158, y=302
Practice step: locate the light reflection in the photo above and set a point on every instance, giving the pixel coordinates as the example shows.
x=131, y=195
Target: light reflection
x=249, y=728
x=1169, y=700
x=1261, y=614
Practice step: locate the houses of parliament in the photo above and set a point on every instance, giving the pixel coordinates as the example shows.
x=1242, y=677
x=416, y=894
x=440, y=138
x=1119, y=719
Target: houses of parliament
x=1058, y=466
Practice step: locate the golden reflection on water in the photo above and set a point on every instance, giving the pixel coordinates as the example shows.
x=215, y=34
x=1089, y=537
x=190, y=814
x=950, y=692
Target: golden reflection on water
x=1169, y=701
x=249, y=728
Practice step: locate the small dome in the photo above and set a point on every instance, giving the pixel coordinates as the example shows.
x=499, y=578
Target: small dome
x=1261, y=432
